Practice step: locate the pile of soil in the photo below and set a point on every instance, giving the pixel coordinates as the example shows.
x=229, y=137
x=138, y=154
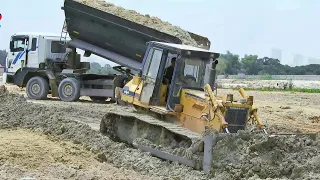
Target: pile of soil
x=16, y=112
x=246, y=155
x=239, y=156
x=146, y=20
x=26, y=153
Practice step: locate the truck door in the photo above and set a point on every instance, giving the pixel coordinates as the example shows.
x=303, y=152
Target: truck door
x=17, y=55
x=33, y=54
x=150, y=73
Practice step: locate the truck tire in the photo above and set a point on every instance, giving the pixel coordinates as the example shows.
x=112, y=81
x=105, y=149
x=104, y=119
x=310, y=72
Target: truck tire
x=69, y=90
x=37, y=88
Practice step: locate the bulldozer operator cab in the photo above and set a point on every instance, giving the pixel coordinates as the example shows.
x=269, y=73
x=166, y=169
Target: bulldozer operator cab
x=193, y=68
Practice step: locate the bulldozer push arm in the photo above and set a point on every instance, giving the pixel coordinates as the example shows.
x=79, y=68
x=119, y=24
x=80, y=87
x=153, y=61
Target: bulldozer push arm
x=216, y=108
x=254, y=110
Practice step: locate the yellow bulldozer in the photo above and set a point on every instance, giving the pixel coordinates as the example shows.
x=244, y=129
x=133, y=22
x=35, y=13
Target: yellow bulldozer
x=173, y=117
x=176, y=112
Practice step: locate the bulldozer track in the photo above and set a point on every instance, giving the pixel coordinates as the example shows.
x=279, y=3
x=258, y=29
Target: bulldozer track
x=146, y=131
x=157, y=122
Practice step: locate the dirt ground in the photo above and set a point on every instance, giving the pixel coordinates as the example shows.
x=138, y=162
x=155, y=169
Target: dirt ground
x=26, y=153
x=33, y=154
x=281, y=112
x=285, y=112
x=270, y=84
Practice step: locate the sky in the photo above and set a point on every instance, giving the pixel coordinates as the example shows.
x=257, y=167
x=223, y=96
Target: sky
x=242, y=27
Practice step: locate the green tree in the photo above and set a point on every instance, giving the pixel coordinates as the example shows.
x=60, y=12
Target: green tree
x=3, y=56
x=251, y=65
x=95, y=68
x=222, y=65
x=232, y=63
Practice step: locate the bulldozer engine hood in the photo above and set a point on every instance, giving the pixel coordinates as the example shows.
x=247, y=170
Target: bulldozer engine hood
x=196, y=94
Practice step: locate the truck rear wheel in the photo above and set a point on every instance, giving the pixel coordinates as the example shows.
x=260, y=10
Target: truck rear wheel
x=37, y=88
x=69, y=90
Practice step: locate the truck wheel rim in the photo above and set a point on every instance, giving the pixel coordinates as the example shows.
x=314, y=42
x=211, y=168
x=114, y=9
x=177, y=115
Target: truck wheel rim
x=68, y=90
x=35, y=88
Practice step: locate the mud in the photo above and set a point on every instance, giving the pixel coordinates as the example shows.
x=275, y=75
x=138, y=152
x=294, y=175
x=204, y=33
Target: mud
x=26, y=153
x=246, y=156
x=134, y=130
x=262, y=156
x=146, y=20
x=16, y=113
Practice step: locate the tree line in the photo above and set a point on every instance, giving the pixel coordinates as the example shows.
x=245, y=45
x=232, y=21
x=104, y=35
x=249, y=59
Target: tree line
x=229, y=64
x=232, y=64
x=96, y=68
x=3, y=55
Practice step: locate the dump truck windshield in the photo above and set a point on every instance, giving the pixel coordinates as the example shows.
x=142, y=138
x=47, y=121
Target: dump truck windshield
x=191, y=73
x=17, y=44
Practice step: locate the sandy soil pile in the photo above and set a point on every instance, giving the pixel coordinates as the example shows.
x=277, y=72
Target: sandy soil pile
x=146, y=20
x=235, y=157
x=17, y=112
x=26, y=153
x=258, y=156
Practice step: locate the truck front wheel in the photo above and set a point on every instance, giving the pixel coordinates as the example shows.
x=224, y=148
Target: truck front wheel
x=37, y=88
x=69, y=90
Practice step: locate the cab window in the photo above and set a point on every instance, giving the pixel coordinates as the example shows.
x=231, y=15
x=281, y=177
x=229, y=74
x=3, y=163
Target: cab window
x=18, y=45
x=56, y=47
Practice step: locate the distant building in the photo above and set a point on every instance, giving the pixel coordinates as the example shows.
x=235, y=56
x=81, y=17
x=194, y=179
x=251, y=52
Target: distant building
x=298, y=60
x=276, y=54
x=312, y=60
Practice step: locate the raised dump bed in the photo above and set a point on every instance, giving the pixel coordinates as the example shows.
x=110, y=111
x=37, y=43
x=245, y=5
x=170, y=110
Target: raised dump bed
x=112, y=37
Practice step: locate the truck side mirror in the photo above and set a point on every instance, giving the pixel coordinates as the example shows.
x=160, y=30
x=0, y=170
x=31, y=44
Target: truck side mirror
x=11, y=45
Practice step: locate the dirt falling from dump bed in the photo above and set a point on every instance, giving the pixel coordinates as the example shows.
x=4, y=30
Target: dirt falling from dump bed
x=246, y=156
x=146, y=20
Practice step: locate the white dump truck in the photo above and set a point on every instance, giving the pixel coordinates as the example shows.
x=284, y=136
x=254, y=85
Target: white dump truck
x=49, y=64
x=42, y=64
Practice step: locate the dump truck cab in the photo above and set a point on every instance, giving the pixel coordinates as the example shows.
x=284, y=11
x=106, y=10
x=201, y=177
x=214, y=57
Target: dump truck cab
x=28, y=51
x=193, y=69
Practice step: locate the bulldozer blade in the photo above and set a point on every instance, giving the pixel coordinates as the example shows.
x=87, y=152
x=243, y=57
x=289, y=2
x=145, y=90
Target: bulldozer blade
x=169, y=157
x=162, y=139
